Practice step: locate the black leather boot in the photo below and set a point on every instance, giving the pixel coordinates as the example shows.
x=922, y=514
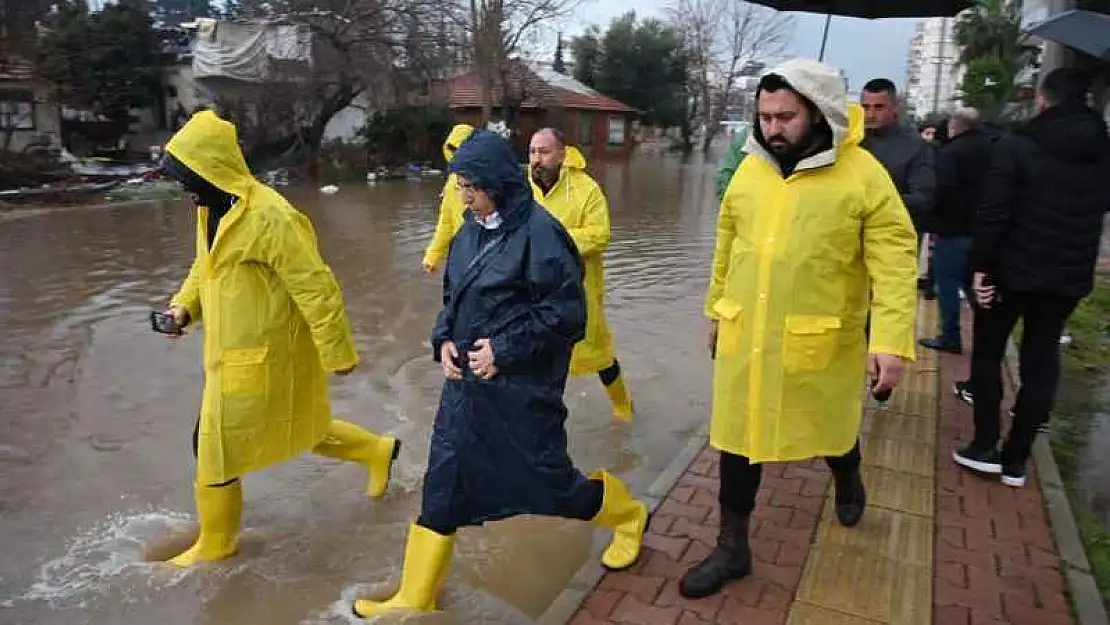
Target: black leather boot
x=731, y=559
x=851, y=497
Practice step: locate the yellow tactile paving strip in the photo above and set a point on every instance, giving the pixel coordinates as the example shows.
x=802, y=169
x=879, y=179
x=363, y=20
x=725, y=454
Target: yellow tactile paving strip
x=881, y=571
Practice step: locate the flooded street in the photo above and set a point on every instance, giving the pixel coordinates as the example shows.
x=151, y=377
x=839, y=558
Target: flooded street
x=96, y=412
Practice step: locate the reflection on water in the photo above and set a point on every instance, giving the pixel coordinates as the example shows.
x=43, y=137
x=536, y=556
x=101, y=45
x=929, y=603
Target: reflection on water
x=97, y=412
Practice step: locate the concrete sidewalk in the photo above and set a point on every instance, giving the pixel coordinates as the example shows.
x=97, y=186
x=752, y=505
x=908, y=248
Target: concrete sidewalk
x=936, y=545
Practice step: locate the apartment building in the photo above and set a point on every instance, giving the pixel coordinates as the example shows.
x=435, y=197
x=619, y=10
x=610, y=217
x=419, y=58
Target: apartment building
x=933, y=72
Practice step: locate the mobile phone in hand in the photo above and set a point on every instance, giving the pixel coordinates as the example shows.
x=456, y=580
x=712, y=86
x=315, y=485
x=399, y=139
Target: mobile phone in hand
x=164, y=323
x=882, y=397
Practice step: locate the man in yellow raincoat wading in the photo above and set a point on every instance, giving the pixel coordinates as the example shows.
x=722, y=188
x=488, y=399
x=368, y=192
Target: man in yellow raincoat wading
x=274, y=326
x=561, y=184
x=809, y=222
x=451, y=207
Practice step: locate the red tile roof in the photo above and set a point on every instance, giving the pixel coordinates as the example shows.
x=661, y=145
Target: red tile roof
x=15, y=69
x=541, y=89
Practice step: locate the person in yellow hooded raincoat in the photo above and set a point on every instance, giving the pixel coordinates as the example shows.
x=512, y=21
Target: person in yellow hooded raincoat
x=274, y=327
x=561, y=184
x=808, y=224
x=451, y=207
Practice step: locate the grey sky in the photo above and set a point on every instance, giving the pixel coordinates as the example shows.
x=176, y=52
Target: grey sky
x=864, y=49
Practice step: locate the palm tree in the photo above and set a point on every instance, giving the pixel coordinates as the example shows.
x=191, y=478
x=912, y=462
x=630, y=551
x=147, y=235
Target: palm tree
x=992, y=53
x=992, y=28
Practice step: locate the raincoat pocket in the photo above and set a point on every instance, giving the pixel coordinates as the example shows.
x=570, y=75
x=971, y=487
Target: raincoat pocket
x=809, y=343
x=729, y=326
x=244, y=371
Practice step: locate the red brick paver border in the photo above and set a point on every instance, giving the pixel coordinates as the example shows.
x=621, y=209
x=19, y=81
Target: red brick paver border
x=683, y=531
x=996, y=560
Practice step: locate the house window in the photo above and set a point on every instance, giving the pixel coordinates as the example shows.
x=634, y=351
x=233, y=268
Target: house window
x=585, y=128
x=616, y=130
x=17, y=110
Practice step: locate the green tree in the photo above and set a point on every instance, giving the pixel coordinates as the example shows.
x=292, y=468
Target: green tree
x=640, y=63
x=17, y=23
x=991, y=48
x=107, y=62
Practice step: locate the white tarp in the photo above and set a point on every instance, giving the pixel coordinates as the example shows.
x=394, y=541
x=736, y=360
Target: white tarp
x=247, y=52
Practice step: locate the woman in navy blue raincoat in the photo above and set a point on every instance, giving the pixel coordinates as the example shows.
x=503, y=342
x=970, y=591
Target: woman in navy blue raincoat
x=513, y=307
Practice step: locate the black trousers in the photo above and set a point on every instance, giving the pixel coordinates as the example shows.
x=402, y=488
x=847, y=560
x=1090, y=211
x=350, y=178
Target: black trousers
x=740, y=478
x=1043, y=318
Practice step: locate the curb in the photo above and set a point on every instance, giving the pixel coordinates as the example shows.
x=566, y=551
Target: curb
x=563, y=608
x=1086, y=599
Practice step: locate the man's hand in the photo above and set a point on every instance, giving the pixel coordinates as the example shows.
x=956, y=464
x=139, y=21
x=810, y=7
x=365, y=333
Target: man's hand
x=447, y=355
x=984, y=292
x=481, y=360
x=885, y=371
x=713, y=325
x=428, y=268
x=345, y=372
x=180, y=317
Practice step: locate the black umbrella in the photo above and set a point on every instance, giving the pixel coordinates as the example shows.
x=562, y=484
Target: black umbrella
x=871, y=9
x=1085, y=31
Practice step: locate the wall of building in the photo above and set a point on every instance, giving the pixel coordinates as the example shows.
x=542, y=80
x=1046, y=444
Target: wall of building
x=42, y=123
x=599, y=134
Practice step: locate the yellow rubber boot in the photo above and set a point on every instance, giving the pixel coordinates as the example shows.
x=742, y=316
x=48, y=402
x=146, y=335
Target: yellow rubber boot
x=620, y=398
x=427, y=560
x=219, y=509
x=347, y=441
x=626, y=516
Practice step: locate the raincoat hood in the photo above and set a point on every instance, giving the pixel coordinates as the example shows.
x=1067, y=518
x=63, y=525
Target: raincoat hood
x=209, y=146
x=458, y=134
x=823, y=86
x=488, y=163
x=574, y=159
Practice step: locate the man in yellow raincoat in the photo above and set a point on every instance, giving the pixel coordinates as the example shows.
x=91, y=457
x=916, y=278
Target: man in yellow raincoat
x=451, y=207
x=274, y=327
x=561, y=184
x=808, y=224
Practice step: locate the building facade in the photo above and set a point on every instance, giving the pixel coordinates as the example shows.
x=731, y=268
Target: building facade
x=933, y=72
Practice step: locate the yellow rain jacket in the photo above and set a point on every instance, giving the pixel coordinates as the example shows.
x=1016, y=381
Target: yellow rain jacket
x=274, y=321
x=578, y=203
x=794, y=262
x=451, y=206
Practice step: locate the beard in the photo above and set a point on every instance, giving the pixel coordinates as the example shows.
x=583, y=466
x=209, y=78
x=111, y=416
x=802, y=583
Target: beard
x=781, y=146
x=545, y=176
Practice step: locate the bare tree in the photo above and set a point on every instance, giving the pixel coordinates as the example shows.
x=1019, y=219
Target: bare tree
x=721, y=38
x=496, y=30
x=371, y=47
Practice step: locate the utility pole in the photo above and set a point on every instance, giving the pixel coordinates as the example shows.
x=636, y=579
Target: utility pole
x=825, y=36
x=940, y=63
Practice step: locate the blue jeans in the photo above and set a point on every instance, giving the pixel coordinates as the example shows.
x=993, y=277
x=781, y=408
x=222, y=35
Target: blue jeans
x=950, y=267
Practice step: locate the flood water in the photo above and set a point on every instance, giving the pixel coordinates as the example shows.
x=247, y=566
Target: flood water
x=96, y=412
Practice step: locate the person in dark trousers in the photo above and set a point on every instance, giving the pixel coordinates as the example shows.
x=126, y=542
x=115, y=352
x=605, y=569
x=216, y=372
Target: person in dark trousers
x=808, y=224
x=907, y=157
x=514, y=306
x=961, y=170
x=1037, y=235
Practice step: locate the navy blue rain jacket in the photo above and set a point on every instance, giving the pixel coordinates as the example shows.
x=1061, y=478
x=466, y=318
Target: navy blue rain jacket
x=499, y=446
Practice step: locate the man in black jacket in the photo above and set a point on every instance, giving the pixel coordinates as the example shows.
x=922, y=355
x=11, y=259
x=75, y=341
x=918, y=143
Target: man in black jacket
x=961, y=170
x=1037, y=234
